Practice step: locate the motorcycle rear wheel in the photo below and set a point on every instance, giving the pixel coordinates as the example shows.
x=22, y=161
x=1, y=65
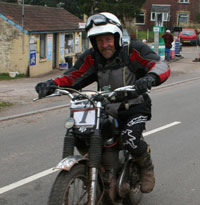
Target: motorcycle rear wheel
x=71, y=188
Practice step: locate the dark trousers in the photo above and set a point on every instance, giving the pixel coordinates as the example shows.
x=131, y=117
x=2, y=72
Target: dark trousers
x=132, y=135
x=167, y=54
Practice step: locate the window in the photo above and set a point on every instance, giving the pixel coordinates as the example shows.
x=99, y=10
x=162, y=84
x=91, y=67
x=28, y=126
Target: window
x=69, y=43
x=184, y=1
x=165, y=16
x=43, y=46
x=182, y=18
x=187, y=32
x=140, y=19
x=153, y=16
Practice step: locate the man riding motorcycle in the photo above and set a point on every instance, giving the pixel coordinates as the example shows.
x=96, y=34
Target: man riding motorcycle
x=113, y=64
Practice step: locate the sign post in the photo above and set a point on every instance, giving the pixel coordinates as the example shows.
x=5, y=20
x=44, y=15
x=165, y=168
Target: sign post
x=156, y=31
x=159, y=45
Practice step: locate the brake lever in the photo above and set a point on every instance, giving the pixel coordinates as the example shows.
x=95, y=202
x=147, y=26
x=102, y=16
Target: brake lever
x=55, y=94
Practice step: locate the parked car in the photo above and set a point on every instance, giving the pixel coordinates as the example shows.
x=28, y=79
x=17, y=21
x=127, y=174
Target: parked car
x=188, y=36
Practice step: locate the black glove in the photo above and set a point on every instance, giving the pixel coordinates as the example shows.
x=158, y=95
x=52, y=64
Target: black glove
x=45, y=88
x=144, y=84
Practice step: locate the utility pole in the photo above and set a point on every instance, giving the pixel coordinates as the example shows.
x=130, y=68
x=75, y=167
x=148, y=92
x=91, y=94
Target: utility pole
x=23, y=26
x=21, y=2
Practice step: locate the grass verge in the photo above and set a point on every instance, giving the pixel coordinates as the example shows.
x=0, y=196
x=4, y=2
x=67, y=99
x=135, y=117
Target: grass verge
x=5, y=104
x=5, y=76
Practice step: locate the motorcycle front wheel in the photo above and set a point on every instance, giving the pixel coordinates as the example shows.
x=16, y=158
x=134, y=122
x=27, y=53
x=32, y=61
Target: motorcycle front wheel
x=71, y=188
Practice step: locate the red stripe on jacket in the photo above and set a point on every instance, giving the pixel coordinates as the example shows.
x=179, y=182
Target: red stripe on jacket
x=165, y=75
x=136, y=56
x=87, y=63
x=69, y=80
x=145, y=62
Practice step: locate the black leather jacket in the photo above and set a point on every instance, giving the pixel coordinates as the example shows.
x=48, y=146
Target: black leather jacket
x=124, y=68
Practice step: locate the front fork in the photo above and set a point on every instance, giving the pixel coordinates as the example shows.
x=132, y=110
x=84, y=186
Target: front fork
x=95, y=158
x=95, y=151
x=93, y=188
x=94, y=163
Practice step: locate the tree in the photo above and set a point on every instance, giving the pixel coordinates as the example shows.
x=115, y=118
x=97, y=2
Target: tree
x=73, y=7
x=87, y=7
x=34, y=2
x=50, y=3
x=123, y=9
x=10, y=1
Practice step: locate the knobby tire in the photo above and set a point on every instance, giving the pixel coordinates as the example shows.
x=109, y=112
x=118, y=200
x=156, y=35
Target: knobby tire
x=60, y=194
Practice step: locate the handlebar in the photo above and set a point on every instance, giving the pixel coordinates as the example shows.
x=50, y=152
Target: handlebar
x=58, y=92
x=108, y=94
x=129, y=88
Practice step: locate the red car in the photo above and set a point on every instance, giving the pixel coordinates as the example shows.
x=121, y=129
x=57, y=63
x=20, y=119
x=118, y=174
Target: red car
x=188, y=36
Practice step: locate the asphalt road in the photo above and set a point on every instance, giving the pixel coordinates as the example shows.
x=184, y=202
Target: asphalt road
x=33, y=144
x=176, y=150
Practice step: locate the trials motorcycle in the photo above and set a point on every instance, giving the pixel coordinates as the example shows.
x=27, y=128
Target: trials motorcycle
x=100, y=172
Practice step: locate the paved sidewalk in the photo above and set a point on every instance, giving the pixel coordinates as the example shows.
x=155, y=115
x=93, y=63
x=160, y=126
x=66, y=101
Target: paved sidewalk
x=21, y=91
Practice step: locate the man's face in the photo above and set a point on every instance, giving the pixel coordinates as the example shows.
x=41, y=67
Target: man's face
x=106, y=45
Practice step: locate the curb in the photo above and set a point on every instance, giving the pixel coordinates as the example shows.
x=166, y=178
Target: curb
x=33, y=112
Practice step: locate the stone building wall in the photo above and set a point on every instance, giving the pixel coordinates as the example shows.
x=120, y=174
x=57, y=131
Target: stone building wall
x=11, y=54
x=15, y=53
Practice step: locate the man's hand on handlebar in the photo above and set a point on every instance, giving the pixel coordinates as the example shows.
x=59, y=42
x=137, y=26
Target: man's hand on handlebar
x=45, y=88
x=144, y=84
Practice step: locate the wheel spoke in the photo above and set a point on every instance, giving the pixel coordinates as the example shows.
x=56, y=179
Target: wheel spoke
x=77, y=193
x=71, y=188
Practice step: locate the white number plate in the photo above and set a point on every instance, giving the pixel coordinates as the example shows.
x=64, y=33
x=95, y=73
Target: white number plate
x=84, y=117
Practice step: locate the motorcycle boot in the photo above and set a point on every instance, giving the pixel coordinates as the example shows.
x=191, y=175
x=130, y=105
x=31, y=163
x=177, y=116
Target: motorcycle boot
x=146, y=169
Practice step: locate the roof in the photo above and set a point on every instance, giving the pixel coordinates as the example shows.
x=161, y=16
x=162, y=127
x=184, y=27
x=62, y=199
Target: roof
x=40, y=18
x=160, y=8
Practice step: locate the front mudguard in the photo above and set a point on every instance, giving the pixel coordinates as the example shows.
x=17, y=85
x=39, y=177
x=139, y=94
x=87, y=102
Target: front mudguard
x=68, y=162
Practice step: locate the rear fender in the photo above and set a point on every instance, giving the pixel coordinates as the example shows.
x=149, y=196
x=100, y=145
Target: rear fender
x=68, y=162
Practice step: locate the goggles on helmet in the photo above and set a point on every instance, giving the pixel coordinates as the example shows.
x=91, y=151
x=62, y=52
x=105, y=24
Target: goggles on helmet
x=98, y=20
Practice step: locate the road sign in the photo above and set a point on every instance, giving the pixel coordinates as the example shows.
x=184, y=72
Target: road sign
x=157, y=29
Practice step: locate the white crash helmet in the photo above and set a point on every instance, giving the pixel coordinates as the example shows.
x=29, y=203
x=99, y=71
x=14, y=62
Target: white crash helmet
x=103, y=23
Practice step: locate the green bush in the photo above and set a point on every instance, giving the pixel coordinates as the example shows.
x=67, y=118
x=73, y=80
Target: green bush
x=149, y=36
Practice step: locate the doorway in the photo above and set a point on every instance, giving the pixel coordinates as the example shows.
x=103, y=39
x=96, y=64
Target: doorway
x=54, y=50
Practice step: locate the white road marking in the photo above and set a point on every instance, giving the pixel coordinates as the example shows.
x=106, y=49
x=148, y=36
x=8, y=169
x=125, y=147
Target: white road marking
x=161, y=128
x=26, y=180
x=51, y=170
